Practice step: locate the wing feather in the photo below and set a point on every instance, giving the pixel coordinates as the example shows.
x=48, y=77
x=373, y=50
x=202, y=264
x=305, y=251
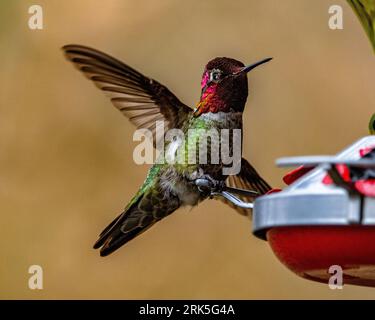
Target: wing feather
x=247, y=179
x=141, y=99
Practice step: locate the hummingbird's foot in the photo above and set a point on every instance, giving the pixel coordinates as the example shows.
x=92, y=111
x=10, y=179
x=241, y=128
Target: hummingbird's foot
x=208, y=185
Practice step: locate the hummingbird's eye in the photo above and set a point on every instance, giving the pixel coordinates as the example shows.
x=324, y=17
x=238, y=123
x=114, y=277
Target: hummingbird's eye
x=215, y=75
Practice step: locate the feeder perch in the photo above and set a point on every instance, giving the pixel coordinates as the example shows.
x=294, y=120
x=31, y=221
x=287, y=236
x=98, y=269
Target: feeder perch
x=325, y=217
x=206, y=186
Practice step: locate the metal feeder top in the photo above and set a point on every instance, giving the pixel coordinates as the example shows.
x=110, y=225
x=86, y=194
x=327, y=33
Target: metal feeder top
x=309, y=202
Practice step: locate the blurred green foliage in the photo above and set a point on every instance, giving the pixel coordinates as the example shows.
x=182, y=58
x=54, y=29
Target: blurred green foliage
x=365, y=10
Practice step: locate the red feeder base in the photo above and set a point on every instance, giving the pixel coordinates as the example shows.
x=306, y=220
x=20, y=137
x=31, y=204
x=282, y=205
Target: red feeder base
x=310, y=251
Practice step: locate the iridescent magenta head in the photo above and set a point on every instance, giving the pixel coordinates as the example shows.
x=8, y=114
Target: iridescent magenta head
x=224, y=85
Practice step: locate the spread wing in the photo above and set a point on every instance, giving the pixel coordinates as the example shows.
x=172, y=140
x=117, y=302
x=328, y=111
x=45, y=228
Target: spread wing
x=247, y=179
x=141, y=99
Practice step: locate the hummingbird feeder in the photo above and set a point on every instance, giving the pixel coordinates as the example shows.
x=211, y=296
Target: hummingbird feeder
x=325, y=217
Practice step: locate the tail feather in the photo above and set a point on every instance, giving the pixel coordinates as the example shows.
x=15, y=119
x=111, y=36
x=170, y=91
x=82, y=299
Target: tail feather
x=140, y=215
x=104, y=234
x=124, y=228
x=118, y=239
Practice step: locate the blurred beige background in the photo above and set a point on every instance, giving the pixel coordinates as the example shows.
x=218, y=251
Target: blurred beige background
x=66, y=165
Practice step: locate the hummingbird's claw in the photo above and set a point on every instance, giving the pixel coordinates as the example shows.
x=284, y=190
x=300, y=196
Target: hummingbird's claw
x=207, y=184
x=211, y=188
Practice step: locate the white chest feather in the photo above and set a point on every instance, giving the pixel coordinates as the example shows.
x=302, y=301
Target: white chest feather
x=225, y=118
x=171, y=151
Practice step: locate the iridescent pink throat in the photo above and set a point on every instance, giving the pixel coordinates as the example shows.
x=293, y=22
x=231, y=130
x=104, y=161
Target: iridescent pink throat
x=210, y=101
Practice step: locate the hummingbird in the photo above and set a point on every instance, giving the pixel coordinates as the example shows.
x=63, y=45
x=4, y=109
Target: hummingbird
x=143, y=100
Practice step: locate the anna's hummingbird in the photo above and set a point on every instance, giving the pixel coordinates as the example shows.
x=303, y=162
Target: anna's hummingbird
x=168, y=186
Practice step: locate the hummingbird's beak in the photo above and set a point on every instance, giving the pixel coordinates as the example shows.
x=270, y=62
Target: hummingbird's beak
x=252, y=66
